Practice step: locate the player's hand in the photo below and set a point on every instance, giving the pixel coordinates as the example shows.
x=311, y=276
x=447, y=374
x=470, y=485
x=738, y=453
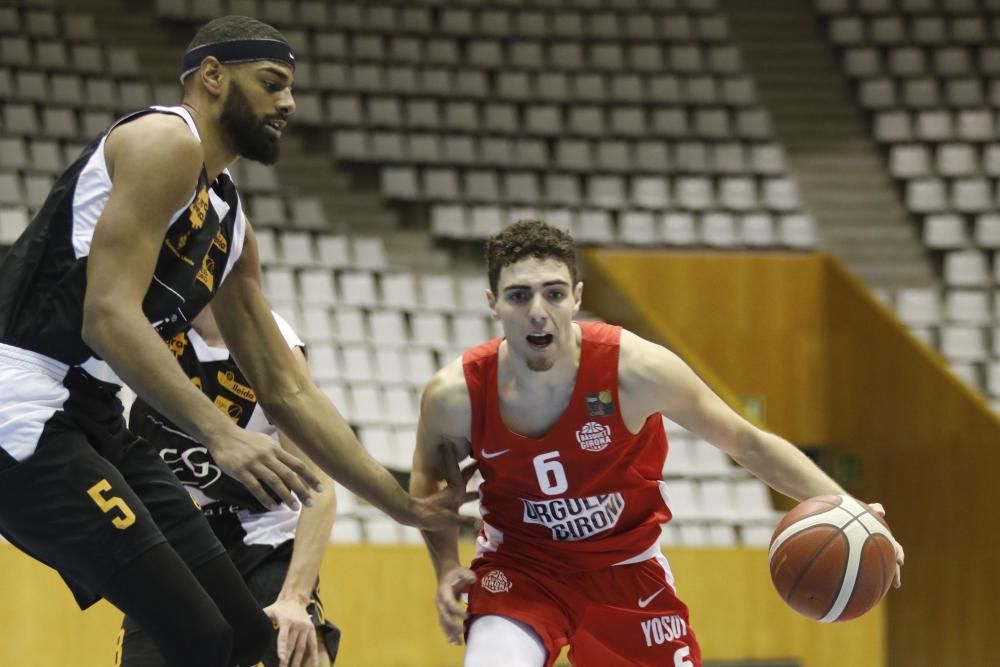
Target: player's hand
x=451, y=613
x=257, y=460
x=440, y=510
x=897, y=581
x=296, y=634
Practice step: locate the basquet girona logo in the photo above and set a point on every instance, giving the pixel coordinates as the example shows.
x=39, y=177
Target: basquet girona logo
x=497, y=582
x=594, y=437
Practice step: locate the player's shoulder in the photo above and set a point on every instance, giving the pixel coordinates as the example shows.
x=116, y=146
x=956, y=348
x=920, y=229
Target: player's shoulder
x=158, y=135
x=448, y=381
x=632, y=345
x=639, y=360
x=158, y=128
x=447, y=392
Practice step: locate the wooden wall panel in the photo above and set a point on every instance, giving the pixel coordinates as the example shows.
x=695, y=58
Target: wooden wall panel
x=755, y=322
x=381, y=597
x=929, y=446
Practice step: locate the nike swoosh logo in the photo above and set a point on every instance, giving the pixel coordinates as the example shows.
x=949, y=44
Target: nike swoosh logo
x=645, y=603
x=492, y=455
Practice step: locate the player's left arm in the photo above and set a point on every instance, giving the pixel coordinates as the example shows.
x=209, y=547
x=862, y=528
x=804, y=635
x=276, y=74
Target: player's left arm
x=655, y=380
x=297, y=641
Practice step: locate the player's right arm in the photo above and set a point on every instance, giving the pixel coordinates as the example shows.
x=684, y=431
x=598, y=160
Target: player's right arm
x=154, y=163
x=442, y=439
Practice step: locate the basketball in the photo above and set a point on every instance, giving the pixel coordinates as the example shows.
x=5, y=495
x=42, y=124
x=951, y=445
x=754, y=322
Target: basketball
x=832, y=558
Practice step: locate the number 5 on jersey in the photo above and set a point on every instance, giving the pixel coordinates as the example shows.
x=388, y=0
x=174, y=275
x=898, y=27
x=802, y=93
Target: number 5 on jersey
x=111, y=503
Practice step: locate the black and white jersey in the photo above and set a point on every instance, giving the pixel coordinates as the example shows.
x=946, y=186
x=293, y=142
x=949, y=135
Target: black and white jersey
x=222, y=498
x=44, y=276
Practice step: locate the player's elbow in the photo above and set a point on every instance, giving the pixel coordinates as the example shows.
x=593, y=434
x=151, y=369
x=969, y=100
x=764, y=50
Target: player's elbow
x=101, y=318
x=325, y=503
x=284, y=397
x=746, y=445
x=327, y=499
x=330, y=494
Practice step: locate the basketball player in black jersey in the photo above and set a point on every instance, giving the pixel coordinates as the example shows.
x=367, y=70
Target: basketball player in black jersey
x=135, y=238
x=278, y=552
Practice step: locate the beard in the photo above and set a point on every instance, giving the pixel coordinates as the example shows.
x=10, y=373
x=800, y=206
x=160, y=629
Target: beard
x=243, y=132
x=540, y=364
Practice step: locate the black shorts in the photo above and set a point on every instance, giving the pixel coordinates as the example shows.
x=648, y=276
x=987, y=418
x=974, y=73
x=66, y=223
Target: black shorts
x=92, y=497
x=265, y=582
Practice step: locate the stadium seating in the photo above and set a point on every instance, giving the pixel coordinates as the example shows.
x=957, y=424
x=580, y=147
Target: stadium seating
x=928, y=75
x=573, y=115
x=625, y=122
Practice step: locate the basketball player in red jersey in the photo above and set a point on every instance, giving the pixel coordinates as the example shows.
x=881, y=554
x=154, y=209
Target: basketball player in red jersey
x=563, y=418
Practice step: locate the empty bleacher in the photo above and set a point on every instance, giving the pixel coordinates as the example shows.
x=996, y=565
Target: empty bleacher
x=928, y=74
x=631, y=123
x=626, y=123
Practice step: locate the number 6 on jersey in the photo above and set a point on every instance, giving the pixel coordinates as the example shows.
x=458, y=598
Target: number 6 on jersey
x=551, y=475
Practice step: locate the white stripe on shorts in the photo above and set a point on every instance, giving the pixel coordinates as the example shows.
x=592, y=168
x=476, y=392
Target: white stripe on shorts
x=33, y=392
x=653, y=552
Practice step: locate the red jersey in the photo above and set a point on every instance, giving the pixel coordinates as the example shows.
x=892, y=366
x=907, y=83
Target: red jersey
x=586, y=495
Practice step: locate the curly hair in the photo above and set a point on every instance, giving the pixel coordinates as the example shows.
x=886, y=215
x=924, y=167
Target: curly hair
x=230, y=28
x=529, y=238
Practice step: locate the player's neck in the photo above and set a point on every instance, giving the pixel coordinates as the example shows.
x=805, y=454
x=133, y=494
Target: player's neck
x=554, y=380
x=217, y=155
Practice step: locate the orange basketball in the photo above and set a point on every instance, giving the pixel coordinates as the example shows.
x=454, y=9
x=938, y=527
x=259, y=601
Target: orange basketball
x=832, y=558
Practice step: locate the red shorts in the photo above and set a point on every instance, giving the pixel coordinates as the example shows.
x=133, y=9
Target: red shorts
x=620, y=616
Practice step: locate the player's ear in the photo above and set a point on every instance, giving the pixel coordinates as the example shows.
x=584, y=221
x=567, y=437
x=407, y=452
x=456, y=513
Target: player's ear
x=491, y=301
x=577, y=297
x=212, y=75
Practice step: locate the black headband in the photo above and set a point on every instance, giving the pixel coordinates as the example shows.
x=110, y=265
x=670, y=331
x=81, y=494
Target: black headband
x=238, y=51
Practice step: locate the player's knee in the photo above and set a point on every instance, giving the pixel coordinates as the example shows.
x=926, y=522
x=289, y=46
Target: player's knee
x=498, y=641
x=489, y=658
x=252, y=642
